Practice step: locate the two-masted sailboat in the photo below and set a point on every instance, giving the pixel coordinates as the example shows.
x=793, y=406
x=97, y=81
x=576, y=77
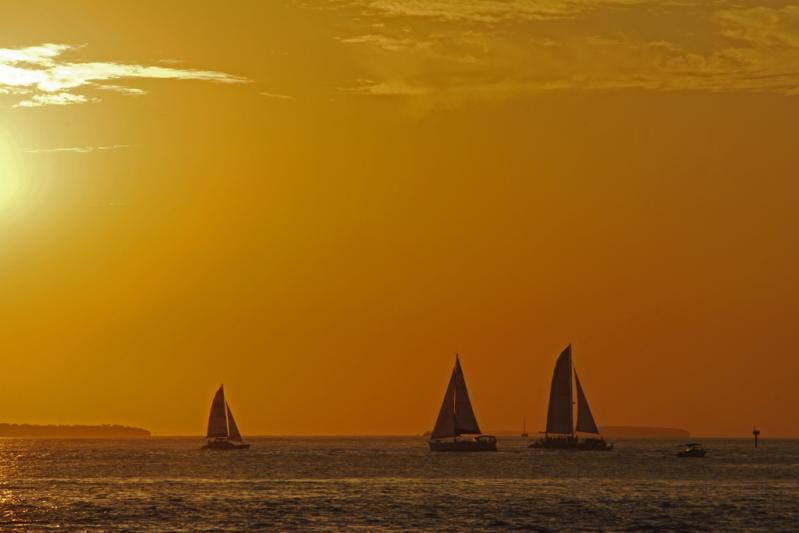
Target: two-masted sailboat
x=456, y=418
x=223, y=433
x=561, y=432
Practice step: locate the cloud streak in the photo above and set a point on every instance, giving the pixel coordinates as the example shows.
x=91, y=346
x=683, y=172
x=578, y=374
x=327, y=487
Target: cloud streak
x=42, y=77
x=76, y=149
x=497, y=48
x=43, y=99
x=489, y=11
x=277, y=96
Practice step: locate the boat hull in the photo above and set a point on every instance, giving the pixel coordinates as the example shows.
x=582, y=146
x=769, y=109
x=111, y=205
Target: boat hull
x=476, y=445
x=573, y=444
x=698, y=454
x=225, y=445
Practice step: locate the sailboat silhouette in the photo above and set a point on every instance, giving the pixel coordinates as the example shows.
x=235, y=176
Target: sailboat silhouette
x=223, y=433
x=561, y=432
x=456, y=418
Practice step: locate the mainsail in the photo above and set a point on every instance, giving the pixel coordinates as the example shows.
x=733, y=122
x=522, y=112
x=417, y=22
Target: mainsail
x=217, y=420
x=456, y=416
x=234, y=430
x=559, y=416
x=445, y=423
x=465, y=421
x=585, y=420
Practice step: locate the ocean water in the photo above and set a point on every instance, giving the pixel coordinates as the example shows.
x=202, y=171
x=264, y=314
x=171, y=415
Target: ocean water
x=169, y=484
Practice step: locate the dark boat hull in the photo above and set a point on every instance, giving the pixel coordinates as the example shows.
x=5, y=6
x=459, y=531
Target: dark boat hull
x=477, y=445
x=225, y=445
x=697, y=454
x=573, y=444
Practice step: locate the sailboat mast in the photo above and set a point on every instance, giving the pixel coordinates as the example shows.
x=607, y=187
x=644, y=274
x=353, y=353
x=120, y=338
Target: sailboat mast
x=455, y=400
x=571, y=382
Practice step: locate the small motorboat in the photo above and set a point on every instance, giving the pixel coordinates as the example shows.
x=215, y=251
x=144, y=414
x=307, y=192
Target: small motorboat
x=692, y=449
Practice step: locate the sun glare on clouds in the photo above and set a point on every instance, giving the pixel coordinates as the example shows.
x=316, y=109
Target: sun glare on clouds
x=41, y=77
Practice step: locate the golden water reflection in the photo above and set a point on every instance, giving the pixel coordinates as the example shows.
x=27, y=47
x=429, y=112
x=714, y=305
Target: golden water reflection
x=10, y=456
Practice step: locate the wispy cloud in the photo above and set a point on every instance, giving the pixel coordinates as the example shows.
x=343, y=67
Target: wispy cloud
x=492, y=10
x=386, y=88
x=121, y=89
x=762, y=26
x=43, y=77
x=497, y=48
x=392, y=44
x=43, y=99
x=76, y=149
x=277, y=96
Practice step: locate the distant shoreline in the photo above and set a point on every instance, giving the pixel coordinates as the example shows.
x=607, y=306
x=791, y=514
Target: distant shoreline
x=108, y=431
x=643, y=432
x=501, y=436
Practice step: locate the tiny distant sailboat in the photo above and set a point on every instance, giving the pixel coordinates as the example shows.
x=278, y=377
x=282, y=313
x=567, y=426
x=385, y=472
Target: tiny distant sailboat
x=456, y=418
x=524, y=434
x=223, y=433
x=561, y=433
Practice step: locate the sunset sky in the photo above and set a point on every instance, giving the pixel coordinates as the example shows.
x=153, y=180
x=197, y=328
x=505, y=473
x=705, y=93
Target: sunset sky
x=318, y=203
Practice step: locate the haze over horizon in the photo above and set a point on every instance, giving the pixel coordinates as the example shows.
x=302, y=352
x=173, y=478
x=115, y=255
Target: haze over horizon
x=319, y=204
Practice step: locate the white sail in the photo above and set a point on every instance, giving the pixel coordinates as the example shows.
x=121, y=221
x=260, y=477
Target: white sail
x=585, y=420
x=217, y=420
x=465, y=421
x=234, y=430
x=559, y=415
x=456, y=416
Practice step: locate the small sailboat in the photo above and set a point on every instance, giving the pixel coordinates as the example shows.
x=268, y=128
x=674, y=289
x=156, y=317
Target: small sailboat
x=524, y=428
x=561, y=433
x=456, y=418
x=223, y=433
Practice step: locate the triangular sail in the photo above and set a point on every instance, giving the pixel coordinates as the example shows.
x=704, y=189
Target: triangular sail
x=559, y=416
x=465, y=421
x=217, y=420
x=445, y=423
x=234, y=430
x=456, y=416
x=585, y=420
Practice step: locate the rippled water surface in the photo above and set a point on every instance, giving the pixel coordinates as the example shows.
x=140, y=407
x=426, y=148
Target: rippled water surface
x=169, y=484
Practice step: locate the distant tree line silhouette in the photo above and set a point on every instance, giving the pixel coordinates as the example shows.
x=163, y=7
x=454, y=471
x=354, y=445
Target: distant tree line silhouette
x=71, y=431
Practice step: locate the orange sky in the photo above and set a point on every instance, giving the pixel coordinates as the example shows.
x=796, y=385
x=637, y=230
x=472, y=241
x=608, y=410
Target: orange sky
x=319, y=203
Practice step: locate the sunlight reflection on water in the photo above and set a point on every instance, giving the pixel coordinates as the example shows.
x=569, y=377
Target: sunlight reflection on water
x=169, y=484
